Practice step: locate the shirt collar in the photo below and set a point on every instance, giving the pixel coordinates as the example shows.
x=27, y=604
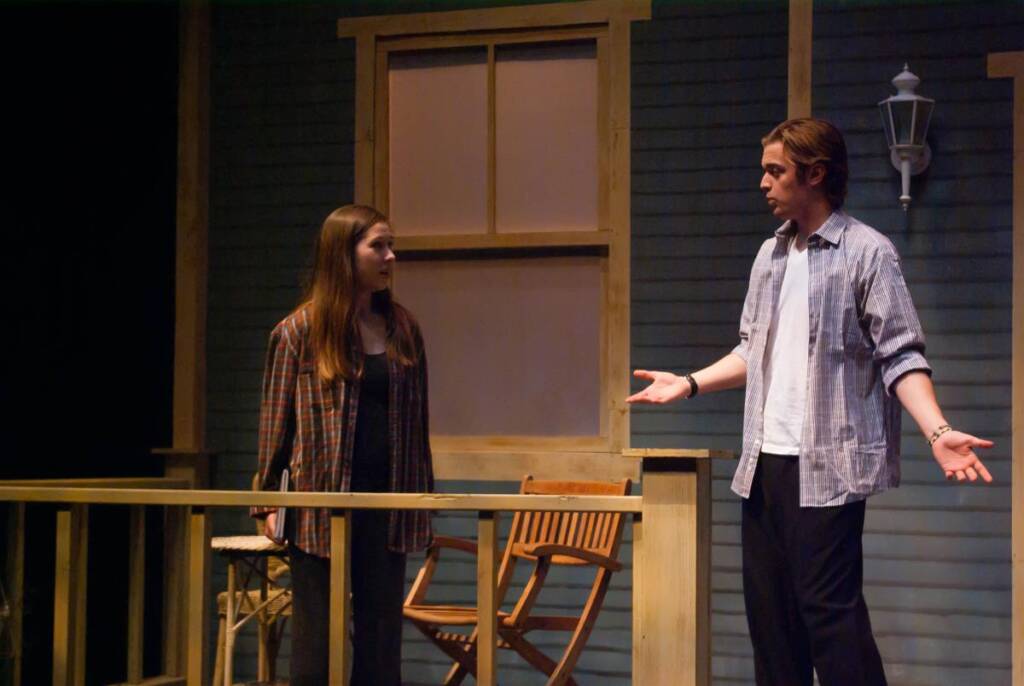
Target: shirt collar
x=831, y=230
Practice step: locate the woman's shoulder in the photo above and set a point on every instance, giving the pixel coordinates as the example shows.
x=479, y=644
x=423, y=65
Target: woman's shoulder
x=294, y=328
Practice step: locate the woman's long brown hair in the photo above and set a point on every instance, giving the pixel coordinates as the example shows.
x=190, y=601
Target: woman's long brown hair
x=330, y=300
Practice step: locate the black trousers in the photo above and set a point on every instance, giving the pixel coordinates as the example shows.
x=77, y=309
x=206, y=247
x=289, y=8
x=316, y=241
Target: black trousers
x=378, y=582
x=803, y=582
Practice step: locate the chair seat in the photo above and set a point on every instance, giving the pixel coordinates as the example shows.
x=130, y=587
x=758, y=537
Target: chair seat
x=245, y=544
x=446, y=615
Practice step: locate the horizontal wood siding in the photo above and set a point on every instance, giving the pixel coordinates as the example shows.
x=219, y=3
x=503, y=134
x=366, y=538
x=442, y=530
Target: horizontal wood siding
x=282, y=151
x=709, y=79
x=937, y=567
x=282, y=155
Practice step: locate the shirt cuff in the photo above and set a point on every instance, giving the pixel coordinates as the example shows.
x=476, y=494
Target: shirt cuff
x=909, y=361
x=742, y=350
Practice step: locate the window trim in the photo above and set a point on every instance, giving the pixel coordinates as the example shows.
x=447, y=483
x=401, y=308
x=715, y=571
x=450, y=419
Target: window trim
x=608, y=22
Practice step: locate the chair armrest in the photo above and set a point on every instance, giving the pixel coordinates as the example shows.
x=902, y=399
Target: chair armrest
x=539, y=550
x=462, y=544
x=418, y=591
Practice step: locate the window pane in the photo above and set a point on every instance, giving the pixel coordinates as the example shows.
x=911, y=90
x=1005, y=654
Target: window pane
x=546, y=128
x=513, y=344
x=437, y=111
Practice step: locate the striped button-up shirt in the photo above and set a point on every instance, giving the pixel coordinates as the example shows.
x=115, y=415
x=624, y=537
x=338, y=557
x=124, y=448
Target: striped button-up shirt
x=308, y=426
x=864, y=334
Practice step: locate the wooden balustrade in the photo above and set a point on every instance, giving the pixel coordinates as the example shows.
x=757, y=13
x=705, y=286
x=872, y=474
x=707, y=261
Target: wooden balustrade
x=670, y=644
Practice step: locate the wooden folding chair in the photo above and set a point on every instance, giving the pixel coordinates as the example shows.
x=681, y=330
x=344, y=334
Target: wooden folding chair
x=544, y=538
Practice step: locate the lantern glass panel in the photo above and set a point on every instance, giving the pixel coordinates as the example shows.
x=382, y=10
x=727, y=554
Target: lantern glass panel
x=883, y=107
x=923, y=115
x=902, y=119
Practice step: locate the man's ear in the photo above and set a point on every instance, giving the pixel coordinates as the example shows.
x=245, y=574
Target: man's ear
x=816, y=174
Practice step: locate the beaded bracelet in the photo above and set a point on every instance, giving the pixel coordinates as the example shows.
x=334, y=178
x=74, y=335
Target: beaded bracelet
x=938, y=432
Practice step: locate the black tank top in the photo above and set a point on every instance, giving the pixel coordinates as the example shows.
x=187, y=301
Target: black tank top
x=372, y=455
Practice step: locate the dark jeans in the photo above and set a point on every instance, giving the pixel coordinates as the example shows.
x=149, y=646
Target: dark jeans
x=378, y=582
x=802, y=582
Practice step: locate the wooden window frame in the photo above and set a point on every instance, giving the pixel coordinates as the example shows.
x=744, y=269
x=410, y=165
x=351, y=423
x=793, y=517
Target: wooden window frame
x=608, y=23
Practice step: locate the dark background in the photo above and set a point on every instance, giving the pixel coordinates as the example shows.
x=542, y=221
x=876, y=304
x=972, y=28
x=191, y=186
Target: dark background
x=89, y=238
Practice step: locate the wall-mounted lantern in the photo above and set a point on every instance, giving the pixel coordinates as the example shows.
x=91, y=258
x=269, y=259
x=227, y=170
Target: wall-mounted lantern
x=905, y=117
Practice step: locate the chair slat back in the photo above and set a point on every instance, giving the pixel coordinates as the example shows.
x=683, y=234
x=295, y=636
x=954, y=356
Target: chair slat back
x=598, y=532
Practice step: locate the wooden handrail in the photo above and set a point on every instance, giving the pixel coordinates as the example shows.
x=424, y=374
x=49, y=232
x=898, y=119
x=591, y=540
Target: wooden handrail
x=339, y=501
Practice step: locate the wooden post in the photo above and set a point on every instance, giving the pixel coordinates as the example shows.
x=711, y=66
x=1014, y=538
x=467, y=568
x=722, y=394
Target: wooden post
x=175, y=578
x=136, y=590
x=487, y=599
x=15, y=585
x=69, y=596
x=192, y=226
x=638, y=596
x=671, y=591
x=198, y=583
x=341, y=610
x=1011, y=65
x=801, y=25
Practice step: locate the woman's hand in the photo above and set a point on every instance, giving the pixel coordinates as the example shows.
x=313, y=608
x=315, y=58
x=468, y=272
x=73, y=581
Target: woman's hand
x=665, y=387
x=954, y=452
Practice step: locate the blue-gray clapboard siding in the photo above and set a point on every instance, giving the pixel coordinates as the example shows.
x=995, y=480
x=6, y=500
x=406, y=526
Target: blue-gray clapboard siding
x=708, y=81
x=282, y=154
x=937, y=571
x=937, y=567
x=282, y=158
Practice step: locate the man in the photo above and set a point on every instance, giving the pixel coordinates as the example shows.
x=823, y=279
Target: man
x=828, y=337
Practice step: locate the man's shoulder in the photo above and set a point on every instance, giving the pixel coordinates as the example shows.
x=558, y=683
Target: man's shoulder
x=866, y=239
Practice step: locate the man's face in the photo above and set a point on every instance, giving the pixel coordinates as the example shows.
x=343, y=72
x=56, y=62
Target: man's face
x=787, y=196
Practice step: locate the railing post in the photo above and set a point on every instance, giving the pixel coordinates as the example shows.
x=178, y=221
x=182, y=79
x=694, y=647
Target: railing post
x=198, y=582
x=638, y=596
x=341, y=607
x=136, y=590
x=672, y=613
x=487, y=599
x=176, y=527
x=69, y=591
x=15, y=585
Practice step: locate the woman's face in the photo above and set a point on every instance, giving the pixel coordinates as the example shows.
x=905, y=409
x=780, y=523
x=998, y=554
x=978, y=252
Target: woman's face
x=375, y=258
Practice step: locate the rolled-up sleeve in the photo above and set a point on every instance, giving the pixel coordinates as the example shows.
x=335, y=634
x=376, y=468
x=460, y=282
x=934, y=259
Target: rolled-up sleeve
x=890, y=319
x=743, y=347
x=277, y=412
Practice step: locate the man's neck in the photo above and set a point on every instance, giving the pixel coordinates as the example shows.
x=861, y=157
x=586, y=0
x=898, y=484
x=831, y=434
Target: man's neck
x=811, y=219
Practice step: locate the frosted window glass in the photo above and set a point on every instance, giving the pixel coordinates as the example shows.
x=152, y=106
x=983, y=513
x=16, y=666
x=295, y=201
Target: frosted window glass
x=546, y=129
x=513, y=345
x=437, y=112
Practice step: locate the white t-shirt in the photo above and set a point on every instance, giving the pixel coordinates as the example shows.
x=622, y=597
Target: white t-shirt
x=786, y=360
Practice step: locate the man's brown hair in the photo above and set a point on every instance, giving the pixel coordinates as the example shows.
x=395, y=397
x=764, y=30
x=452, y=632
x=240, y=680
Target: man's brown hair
x=808, y=141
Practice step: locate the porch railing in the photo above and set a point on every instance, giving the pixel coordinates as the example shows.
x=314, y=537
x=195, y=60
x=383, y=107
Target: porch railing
x=671, y=545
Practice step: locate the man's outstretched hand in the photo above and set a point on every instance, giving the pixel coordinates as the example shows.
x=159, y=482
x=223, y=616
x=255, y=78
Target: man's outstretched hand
x=954, y=451
x=664, y=388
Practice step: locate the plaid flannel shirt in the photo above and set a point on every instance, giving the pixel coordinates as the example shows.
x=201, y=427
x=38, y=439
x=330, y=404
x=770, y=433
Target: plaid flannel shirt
x=864, y=334
x=308, y=426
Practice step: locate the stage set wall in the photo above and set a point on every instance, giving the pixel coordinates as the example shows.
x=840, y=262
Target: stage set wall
x=708, y=80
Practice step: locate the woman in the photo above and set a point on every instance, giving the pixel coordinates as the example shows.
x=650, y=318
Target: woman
x=344, y=408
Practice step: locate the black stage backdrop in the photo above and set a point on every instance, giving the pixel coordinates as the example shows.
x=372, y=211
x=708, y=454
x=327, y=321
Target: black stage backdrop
x=90, y=124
